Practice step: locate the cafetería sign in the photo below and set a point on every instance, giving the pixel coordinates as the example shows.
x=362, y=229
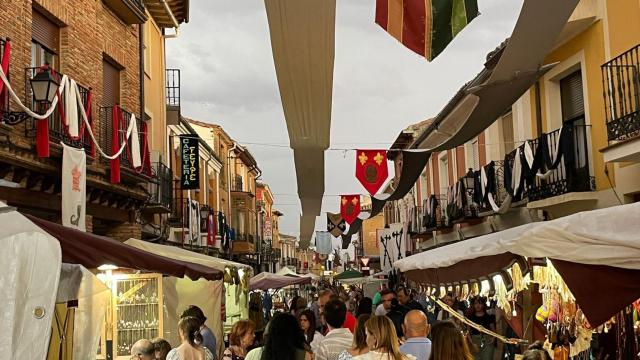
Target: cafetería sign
x=190, y=178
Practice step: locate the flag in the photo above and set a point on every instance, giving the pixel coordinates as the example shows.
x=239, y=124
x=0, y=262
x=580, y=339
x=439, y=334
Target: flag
x=349, y=207
x=74, y=187
x=335, y=224
x=426, y=27
x=371, y=169
x=323, y=242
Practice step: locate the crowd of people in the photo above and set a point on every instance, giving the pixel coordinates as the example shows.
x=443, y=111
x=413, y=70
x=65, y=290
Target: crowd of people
x=339, y=324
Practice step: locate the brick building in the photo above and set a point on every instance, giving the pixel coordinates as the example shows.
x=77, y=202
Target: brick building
x=99, y=45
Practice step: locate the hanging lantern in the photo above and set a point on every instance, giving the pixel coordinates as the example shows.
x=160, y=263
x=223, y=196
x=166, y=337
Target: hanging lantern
x=44, y=86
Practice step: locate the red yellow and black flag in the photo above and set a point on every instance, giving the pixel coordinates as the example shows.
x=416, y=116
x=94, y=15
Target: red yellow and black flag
x=425, y=26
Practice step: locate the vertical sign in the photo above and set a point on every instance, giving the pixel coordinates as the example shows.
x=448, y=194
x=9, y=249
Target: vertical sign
x=190, y=178
x=268, y=232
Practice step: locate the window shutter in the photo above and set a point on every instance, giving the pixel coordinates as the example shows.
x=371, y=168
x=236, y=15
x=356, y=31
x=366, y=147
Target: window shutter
x=571, y=96
x=110, y=84
x=45, y=32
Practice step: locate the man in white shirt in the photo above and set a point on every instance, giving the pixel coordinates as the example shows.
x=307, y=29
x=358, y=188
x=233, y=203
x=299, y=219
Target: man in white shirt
x=386, y=296
x=338, y=338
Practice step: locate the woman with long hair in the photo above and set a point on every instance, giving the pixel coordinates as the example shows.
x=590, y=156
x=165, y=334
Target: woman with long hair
x=190, y=348
x=307, y=320
x=365, y=306
x=484, y=344
x=382, y=341
x=284, y=340
x=359, y=340
x=240, y=339
x=448, y=343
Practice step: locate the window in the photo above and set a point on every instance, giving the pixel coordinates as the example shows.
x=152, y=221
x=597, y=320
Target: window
x=110, y=83
x=507, y=132
x=475, y=153
x=45, y=40
x=443, y=172
x=572, y=98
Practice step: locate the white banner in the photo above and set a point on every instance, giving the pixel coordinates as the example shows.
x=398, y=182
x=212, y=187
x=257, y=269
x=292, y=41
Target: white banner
x=74, y=187
x=323, y=242
x=392, y=244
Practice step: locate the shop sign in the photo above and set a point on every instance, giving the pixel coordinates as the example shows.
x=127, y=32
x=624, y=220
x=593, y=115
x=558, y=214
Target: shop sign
x=190, y=171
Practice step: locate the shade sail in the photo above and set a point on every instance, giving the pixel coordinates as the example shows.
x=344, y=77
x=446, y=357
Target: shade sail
x=286, y=271
x=266, y=281
x=519, y=65
x=307, y=227
x=303, y=44
x=91, y=251
x=186, y=255
x=604, y=243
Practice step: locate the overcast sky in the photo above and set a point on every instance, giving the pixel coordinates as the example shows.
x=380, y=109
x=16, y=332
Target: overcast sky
x=379, y=86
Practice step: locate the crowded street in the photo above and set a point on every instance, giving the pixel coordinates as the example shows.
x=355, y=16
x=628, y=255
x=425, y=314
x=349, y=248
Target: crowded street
x=320, y=179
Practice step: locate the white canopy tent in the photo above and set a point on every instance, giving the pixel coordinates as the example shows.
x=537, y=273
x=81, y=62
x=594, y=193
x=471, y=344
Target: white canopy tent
x=602, y=245
x=180, y=293
x=286, y=271
x=31, y=260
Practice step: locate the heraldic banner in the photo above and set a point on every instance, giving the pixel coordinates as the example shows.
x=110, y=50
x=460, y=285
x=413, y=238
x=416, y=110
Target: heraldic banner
x=349, y=207
x=371, y=169
x=392, y=245
x=74, y=187
x=335, y=224
x=190, y=170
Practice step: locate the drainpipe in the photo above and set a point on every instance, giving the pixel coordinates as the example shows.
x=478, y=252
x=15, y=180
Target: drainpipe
x=141, y=50
x=235, y=146
x=255, y=205
x=176, y=25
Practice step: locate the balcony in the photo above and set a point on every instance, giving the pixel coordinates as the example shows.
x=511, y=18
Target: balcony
x=160, y=189
x=236, y=184
x=129, y=11
x=621, y=80
x=437, y=219
x=571, y=183
x=172, y=89
x=58, y=132
x=129, y=173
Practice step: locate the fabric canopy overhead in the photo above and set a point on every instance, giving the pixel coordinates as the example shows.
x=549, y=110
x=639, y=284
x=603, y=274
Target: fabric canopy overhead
x=348, y=274
x=266, y=281
x=499, y=85
x=286, y=271
x=303, y=45
x=602, y=243
x=307, y=227
x=92, y=251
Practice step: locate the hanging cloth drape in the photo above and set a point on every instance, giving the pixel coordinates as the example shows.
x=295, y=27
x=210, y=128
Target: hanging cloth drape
x=6, y=56
x=135, y=145
x=115, y=143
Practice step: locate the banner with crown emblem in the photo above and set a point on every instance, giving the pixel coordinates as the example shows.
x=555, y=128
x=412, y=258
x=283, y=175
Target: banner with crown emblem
x=371, y=169
x=74, y=187
x=336, y=224
x=349, y=207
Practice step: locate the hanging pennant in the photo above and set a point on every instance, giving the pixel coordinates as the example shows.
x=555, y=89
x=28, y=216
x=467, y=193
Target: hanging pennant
x=336, y=224
x=323, y=242
x=349, y=207
x=74, y=187
x=371, y=169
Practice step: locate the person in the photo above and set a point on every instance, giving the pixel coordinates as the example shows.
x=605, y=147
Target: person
x=405, y=298
x=161, y=348
x=478, y=314
x=338, y=338
x=448, y=343
x=142, y=350
x=416, y=329
x=307, y=322
x=359, y=346
x=396, y=314
x=386, y=296
x=323, y=298
x=450, y=301
x=315, y=307
x=382, y=341
x=365, y=306
x=301, y=304
x=284, y=340
x=191, y=337
x=208, y=340
x=377, y=298
x=240, y=339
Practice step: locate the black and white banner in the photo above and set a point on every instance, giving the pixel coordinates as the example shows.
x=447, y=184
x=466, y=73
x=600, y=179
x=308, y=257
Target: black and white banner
x=190, y=155
x=74, y=187
x=392, y=245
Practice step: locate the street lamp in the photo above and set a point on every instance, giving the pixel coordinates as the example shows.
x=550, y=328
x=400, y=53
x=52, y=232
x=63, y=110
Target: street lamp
x=469, y=180
x=44, y=85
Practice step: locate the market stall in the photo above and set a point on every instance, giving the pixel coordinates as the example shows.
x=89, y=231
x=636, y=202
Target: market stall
x=599, y=245
x=36, y=280
x=179, y=293
x=266, y=281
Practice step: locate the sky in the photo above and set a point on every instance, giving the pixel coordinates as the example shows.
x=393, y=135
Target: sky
x=379, y=86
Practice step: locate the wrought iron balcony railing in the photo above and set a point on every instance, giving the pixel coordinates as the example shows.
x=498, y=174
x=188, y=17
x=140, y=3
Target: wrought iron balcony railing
x=58, y=132
x=621, y=84
x=574, y=172
x=107, y=132
x=161, y=187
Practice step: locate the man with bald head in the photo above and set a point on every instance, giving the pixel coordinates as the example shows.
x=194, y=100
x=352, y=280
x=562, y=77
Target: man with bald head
x=143, y=350
x=416, y=329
